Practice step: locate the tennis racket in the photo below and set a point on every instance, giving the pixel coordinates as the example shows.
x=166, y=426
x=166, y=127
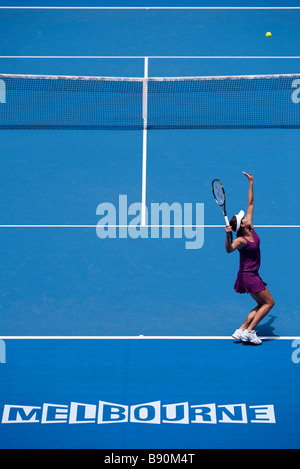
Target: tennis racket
x=219, y=195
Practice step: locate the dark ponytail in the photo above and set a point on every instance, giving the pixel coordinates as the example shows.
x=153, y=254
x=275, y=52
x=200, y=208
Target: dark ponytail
x=233, y=223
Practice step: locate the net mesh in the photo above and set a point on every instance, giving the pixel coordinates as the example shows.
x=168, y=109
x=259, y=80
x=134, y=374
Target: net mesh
x=48, y=102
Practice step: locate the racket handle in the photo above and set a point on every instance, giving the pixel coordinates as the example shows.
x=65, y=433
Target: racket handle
x=227, y=223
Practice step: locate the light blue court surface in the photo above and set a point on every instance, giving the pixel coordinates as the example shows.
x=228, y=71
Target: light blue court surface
x=157, y=394
x=94, y=382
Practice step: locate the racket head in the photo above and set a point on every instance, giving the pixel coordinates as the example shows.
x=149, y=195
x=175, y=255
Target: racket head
x=218, y=192
x=219, y=195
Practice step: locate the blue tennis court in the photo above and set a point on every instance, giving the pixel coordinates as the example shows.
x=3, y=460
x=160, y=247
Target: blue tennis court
x=116, y=334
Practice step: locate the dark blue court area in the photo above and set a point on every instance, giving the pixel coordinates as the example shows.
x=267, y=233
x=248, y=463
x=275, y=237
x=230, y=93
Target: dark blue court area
x=116, y=335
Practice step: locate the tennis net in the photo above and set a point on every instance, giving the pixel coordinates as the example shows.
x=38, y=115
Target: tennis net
x=96, y=103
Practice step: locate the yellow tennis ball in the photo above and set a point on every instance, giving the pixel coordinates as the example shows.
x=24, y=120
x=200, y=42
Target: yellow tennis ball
x=268, y=34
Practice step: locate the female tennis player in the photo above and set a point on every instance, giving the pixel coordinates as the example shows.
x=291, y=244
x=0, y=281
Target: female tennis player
x=248, y=280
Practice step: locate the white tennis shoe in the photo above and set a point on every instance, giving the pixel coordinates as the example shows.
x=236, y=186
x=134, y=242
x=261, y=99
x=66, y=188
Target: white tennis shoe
x=238, y=334
x=250, y=336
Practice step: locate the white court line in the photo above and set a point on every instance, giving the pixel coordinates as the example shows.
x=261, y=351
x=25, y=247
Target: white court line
x=139, y=337
x=143, y=8
x=150, y=57
x=139, y=226
x=145, y=134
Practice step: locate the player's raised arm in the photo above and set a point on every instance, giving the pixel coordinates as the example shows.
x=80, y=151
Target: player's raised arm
x=249, y=213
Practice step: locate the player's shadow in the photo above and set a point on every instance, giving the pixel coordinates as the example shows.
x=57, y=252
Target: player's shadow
x=266, y=329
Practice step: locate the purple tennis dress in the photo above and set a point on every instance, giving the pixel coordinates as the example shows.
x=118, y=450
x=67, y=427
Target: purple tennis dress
x=248, y=279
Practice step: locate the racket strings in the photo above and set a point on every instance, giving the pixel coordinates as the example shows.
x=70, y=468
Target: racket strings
x=219, y=193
